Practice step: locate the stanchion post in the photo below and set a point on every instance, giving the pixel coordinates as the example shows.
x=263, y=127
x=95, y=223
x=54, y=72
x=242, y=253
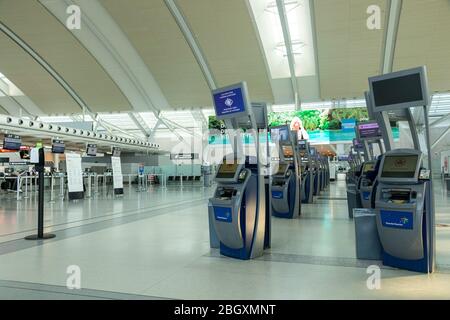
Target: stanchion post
x=40, y=169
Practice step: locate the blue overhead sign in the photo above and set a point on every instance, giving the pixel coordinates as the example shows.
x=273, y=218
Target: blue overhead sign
x=229, y=102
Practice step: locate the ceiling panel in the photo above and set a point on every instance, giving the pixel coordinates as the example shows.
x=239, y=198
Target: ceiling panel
x=48, y=37
x=228, y=39
x=33, y=80
x=348, y=52
x=154, y=33
x=424, y=39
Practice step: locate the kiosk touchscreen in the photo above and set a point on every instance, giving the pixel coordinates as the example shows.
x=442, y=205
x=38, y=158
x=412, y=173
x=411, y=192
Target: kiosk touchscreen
x=402, y=206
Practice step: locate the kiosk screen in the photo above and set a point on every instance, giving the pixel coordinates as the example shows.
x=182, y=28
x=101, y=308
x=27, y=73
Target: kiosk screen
x=368, y=167
x=227, y=170
x=281, y=169
x=288, y=152
x=399, y=166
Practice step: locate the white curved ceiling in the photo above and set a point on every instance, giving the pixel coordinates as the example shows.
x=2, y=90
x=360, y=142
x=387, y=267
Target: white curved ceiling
x=225, y=30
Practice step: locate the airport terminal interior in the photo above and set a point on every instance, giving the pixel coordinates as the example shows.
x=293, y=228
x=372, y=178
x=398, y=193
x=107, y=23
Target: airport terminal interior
x=224, y=149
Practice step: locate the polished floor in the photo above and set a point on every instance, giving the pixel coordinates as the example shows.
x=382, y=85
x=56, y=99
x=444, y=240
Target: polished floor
x=155, y=245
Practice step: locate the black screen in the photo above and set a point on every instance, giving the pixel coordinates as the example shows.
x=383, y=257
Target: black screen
x=302, y=145
x=12, y=142
x=397, y=90
x=58, y=146
x=91, y=150
x=279, y=134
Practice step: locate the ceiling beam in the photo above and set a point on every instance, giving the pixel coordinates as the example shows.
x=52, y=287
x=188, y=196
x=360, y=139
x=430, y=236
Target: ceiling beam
x=394, y=10
x=44, y=64
x=139, y=123
x=192, y=42
x=440, y=138
x=103, y=38
x=153, y=131
x=312, y=12
x=290, y=55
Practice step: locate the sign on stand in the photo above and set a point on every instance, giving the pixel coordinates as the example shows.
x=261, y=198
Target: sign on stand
x=74, y=176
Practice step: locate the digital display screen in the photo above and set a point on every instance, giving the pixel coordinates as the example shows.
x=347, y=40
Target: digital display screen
x=399, y=166
x=281, y=169
x=368, y=167
x=227, y=170
x=342, y=158
x=369, y=130
x=280, y=133
x=58, y=146
x=288, y=152
x=12, y=142
x=91, y=150
x=312, y=151
x=397, y=90
x=116, y=152
x=358, y=145
x=229, y=102
x=302, y=144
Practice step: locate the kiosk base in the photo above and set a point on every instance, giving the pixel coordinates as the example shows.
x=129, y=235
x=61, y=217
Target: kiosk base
x=411, y=265
x=241, y=254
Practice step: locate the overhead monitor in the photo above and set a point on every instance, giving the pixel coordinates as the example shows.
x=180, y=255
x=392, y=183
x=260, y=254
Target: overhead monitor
x=302, y=144
x=369, y=130
x=260, y=114
x=116, y=151
x=227, y=170
x=400, y=166
x=399, y=90
x=280, y=133
x=343, y=158
x=12, y=142
x=231, y=101
x=288, y=151
x=358, y=145
x=91, y=150
x=58, y=146
x=312, y=151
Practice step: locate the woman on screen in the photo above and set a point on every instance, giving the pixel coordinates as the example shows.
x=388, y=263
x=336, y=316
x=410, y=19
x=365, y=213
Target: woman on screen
x=297, y=125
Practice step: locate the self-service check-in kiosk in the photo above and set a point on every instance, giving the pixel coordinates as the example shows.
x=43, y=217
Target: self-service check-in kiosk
x=286, y=180
x=237, y=210
x=307, y=172
x=316, y=172
x=402, y=206
x=365, y=183
x=404, y=202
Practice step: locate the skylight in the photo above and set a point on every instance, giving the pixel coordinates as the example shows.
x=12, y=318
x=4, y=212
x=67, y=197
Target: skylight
x=269, y=27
